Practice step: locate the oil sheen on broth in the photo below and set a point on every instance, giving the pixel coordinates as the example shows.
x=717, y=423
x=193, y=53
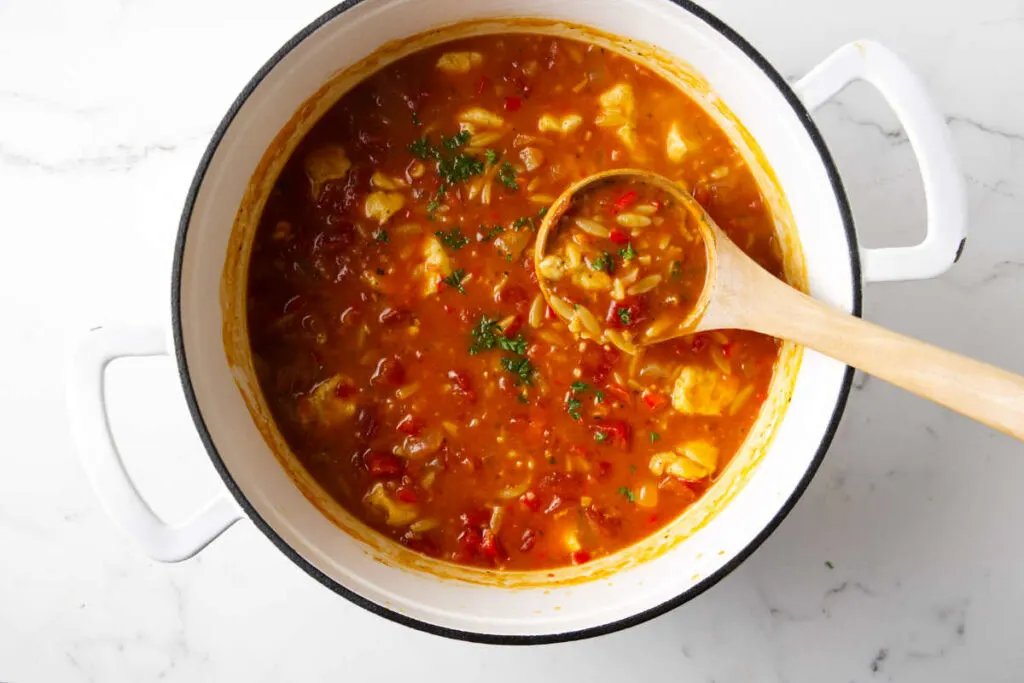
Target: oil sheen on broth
x=401, y=339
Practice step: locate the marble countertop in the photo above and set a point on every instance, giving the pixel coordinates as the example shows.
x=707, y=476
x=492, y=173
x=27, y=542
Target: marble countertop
x=902, y=562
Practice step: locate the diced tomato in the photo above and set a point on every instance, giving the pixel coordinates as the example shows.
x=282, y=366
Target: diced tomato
x=579, y=556
x=409, y=425
x=388, y=371
x=630, y=312
x=654, y=399
x=528, y=540
x=382, y=464
x=470, y=539
x=530, y=501
x=490, y=545
x=617, y=431
x=482, y=85
x=699, y=342
x=624, y=201
x=618, y=236
x=605, y=520
x=513, y=102
x=405, y=494
x=462, y=385
x=604, y=468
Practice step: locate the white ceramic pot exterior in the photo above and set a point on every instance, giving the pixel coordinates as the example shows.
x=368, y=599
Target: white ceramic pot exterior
x=773, y=114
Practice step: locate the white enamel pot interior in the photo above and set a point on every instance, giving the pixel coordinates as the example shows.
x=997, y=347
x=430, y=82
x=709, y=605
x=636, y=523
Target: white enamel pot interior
x=769, y=110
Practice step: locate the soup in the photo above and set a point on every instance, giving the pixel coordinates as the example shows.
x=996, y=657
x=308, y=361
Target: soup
x=403, y=345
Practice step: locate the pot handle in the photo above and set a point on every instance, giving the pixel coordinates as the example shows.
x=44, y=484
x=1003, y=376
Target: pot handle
x=945, y=197
x=103, y=464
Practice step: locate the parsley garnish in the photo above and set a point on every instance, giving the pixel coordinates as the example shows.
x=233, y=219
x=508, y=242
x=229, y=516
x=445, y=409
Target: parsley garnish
x=459, y=168
x=485, y=335
x=455, y=141
x=599, y=395
x=828, y=563
x=488, y=335
x=455, y=280
x=453, y=239
x=605, y=262
x=381, y=237
x=600, y=437
x=521, y=367
x=654, y=436
x=522, y=398
x=492, y=233
x=543, y=212
x=579, y=386
x=422, y=149
x=573, y=405
x=627, y=494
x=492, y=157
x=676, y=270
x=624, y=317
x=507, y=176
x=416, y=119
x=523, y=222
x=627, y=252
x=551, y=460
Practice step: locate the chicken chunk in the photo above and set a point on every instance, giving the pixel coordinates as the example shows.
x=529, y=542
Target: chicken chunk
x=325, y=164
x=459, y=62
x=329, y=403
x=552, y=124
x=618, y=111
x=700, y=391
x=474, y=118
x=675, y=145
x=396, y=513
x=436, y=265
x=381, y=206
x=692, y=461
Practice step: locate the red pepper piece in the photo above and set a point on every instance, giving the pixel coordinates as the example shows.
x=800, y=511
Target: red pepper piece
x=624, y=201
x=513, y=102
x=618, y=236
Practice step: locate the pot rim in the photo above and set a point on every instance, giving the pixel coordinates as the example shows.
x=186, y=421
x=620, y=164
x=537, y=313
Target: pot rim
x=472, y=636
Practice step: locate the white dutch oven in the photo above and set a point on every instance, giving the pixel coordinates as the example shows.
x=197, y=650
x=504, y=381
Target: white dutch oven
x=774, y=112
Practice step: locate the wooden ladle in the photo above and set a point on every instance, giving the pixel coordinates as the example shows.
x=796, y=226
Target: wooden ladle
x=740, y=294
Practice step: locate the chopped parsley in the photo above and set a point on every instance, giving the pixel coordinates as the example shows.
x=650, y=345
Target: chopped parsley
x=459, y=168
x=455, y=141
x=828, y=563
x=507, y=176
x=624, y=316
x=627, y=252
x=455, y=280
x=381, y=237
x=416, y=119
x=485, y=335
x=490, y=234
x=491, y=156
x=520, y=367
x=522, y=398
x=523, y=222
x=605, y=262
x=579, y=386
x=599, y=395
x=654, y=436
x=422, y=149
x=627, y=494
x=551, y=460
x=452, y=239
x=573, y=406
x=600, y=437
x=488, y=335
x=675, y=270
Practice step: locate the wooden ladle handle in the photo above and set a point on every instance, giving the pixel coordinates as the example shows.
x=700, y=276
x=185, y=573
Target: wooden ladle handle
x=978, y=390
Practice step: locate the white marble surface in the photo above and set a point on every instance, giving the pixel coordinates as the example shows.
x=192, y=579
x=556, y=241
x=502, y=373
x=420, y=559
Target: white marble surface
x=105, y=108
